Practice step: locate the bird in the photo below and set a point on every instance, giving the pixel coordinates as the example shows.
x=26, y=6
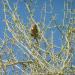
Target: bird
x=34, y=31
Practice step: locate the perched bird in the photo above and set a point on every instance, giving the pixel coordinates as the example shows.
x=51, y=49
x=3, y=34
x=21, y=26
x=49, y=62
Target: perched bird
x=34, y=32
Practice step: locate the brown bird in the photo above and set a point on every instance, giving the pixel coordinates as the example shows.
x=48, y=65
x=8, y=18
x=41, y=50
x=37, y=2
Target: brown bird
x=34, y=31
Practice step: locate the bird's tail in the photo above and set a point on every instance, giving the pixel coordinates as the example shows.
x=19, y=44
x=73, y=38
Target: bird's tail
x=36, y=40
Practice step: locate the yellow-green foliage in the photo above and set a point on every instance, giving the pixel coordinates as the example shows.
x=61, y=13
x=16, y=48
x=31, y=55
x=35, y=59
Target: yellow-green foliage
x=60, y=62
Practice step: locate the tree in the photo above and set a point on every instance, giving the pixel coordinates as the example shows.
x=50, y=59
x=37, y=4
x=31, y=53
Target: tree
x=21, y=54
